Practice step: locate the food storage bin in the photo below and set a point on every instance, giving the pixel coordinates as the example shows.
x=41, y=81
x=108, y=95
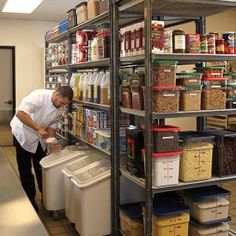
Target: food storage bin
x=196, y=159
x=170, y=218
x=131, y=222
x=81, y=12
x=224, y=152
x=72, y=19
x=212, y=71
x=70, y=169
x=103, y=45
x=165, y=138
x=208, y=204
x=93, y=8
x=134, y=146
x=137, y=97
x=220, y=229
x=188, y=79
x=52, y=177
x=164, y=73
x=166, y=99
x=190, y=100
x=93, y=199
x=104, y=5
x=231, y=78
x=126, y=95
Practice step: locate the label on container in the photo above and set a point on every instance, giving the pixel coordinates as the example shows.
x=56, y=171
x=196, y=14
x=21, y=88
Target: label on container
x=193, y=80
x=215, y=73
x=193, y=94
x=167, y=70
x=168, y=137
x=179, y=42
x=216, y=86
x=169, y=95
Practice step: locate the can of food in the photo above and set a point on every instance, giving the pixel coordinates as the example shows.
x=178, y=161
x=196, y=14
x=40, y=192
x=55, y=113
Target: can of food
x=168, y=42
x=220, y=48
x=193, y=43
x=211, y=41
x=203, y=43
x=229, y=42
x=216, y=34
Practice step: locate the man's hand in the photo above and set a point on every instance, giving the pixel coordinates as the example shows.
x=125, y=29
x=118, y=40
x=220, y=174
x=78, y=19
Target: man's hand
x=43, y=133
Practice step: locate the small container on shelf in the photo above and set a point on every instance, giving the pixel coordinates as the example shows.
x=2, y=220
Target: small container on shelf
x=81, y=12
x=104, y=6
x=165, y=138
x=188, y=79
x=126, y=95
x=131, y=222
x=208, y=205
x=190, y=99
x=164, y=73
x=212, y=71
x=166, y=99
x=137, y=97
x=93, y=8
x=196, y=159
x=71, y=17
x=63, y=26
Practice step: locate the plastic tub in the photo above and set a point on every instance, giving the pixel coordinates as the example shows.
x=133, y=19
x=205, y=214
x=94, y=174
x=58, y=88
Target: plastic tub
x=68, y=171
x=93, y=199
x=221, y=229
x=165, y=138
x=190, y=100
x=208, y=204
x=188, y=79
x=164, y=73
x=196, y=159
x=166, y=99
x=212, y=71
x=126, y=96
x=137, y=97
x=52, y=177
x=131, y=222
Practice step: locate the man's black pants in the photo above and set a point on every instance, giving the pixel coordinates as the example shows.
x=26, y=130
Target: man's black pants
x=24, y=161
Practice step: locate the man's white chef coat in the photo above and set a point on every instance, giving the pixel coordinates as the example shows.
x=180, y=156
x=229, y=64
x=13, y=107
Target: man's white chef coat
x=39, y=106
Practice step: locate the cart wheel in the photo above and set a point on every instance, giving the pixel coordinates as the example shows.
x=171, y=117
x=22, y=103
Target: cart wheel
x=55, y=215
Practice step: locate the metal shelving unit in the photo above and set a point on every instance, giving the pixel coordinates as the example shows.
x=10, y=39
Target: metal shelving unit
x=93, y=105
x=145, y=9
x=91, y=64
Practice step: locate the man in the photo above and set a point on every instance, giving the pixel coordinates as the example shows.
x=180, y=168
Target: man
x=35, y=120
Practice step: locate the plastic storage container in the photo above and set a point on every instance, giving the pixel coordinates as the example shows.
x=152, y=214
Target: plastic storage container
x=224, y=152
x=68, y=171
x=63, y=26
x=190, y=100
x=71, y=17
x=166, y=99
x=164, y=73
x=93, y=199
x=81, y=12
x=170, y=219
x=165, y=138
x=212, y=71
x=131, y=222
x=93, y=8
x=196, y=159
x=52, y=177
x=188, y=79
x=208, y=204
x=137, y=97
x=221, y=229
x=104, y=5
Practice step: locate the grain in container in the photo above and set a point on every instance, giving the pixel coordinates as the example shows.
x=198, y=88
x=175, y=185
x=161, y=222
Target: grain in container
x=131, y=222
x=211, y=71
x=81, y=12
x=126, y=98
x=165, y=138
x=219, y=229
x=93, y=8
x=166, y=98
x=208, y=204
x=104, y=6
x=164, y=73
x=224, y=152
x=188, y=79
x=196, y=159
x=170, y=218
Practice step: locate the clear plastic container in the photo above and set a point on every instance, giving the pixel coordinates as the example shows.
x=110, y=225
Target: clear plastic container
x=190, y=100
x=166, y=99
x=105, y=89
x=212, y=71
x=126, y=96
x=231, y=78
x=164, y=73
x=188, y=79
x=137, y=97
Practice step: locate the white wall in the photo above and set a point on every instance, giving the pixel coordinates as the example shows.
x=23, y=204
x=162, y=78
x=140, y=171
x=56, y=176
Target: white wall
x=28, y=39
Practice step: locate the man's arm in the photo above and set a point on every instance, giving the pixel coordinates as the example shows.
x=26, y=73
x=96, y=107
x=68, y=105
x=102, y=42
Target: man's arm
x=51, y=132
x=27, y=120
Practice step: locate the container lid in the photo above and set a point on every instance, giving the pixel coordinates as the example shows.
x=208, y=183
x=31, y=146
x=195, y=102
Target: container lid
x=93, y=174
x=215, y=79
x=204, y=193
x=231, y=85
x=195, y=136
x=166, y=154
x=169, y=207
x=212, y=203
x=208, y=230
x=233, y=75
x=84, y=161
x=165, y=128
x=133, y=211
x=165, y=62
x=233, y=97
x=186, y=75
x=81, y=4
x=211, y=67
x=221, y=133
x=165, y=87
x=60, y=157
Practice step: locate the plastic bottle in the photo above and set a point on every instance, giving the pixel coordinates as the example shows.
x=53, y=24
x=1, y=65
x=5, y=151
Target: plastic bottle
x=85, y=87
x=105, y=89
x=94, y=49
x=97, y=85
x=81, y=81
x=91, y=87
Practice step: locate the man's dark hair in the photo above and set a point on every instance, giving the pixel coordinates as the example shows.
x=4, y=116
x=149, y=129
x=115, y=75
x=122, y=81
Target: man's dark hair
x=66, y=92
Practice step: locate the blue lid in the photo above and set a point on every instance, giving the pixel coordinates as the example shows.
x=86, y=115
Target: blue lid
x=195, y=136
x=204, y=193
x=219, y=133
x=168, y=207
x=133, y=211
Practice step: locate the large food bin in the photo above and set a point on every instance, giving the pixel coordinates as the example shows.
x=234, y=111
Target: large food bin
x=52, y=177
x=221, y=229
x=196, y=159
x=208, y=204
x=170, y=219
x=131, y=222
x=93, y=199
x=68, y=171
x=224, y=152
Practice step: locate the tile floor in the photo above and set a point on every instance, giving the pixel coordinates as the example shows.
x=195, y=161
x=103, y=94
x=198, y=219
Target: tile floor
x=62, y=227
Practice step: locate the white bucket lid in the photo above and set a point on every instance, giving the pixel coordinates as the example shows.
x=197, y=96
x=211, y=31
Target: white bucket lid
x=60, y=157
x=208, y=230
x=92, y=174
x=83, y=161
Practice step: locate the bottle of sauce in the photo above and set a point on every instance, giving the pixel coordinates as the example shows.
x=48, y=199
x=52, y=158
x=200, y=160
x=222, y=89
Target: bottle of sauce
x=179, y=45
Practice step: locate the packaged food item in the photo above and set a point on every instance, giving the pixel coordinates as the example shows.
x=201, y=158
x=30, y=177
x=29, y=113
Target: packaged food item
x=220, y=47
x=168, y=41
x=193, y=43
x=229, y=42
x=179, y=44
x=211, y=40
x=203, y=43
x=157, y=36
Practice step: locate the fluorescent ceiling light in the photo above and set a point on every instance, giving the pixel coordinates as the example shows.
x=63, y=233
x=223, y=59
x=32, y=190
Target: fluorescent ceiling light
x=21, y=6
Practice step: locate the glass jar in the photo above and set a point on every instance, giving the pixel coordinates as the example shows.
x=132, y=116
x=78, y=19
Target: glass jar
x=179, y=45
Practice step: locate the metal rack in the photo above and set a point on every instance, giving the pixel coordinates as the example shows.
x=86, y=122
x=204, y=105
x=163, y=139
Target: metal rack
x=145, y=9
